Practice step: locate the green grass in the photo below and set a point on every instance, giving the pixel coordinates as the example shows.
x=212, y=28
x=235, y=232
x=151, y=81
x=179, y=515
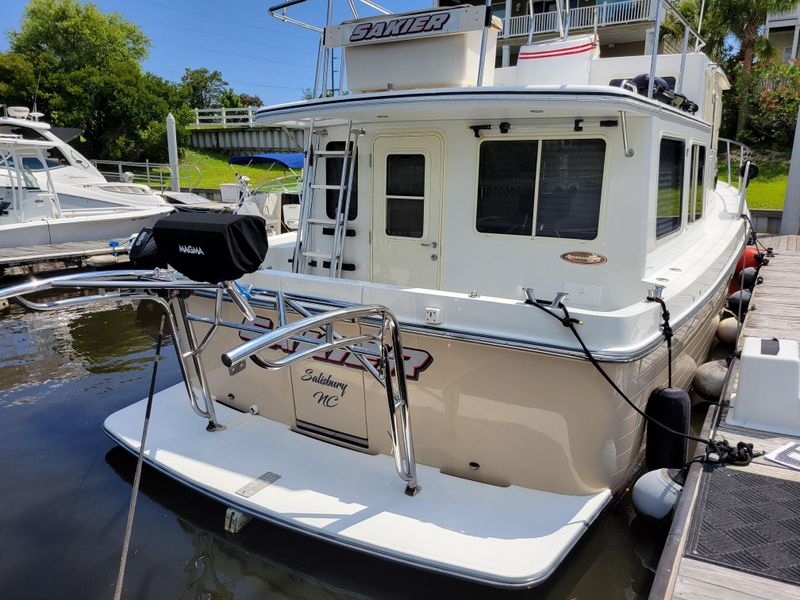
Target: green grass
x=214, y=169
x=768, y=190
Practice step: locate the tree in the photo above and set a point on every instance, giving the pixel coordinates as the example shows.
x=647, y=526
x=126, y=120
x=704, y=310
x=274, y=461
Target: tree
x=745, y=19
x=713, y=28
x=17, y=80
x=248, y=100
x=87, y=65
x=204, y=88
x=230, y=99
x=67, y=35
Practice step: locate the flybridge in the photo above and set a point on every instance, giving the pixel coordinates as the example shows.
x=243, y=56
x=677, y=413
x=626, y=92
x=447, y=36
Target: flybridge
x=409, y=26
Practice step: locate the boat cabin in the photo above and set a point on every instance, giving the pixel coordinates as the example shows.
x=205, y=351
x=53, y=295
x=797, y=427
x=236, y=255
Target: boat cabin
x=567, y=172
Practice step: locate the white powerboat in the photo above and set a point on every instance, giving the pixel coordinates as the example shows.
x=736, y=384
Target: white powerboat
x=449, y=366
x=32, y=214
x=78, y=183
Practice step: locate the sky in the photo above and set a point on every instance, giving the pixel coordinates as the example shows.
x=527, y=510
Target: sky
x=256, y=53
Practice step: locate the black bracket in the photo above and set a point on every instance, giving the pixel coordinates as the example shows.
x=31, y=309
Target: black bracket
x=578, y=125
x=476, y=129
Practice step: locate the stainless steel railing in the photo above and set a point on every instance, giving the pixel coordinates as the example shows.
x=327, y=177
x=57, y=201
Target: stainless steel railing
x=377, y=326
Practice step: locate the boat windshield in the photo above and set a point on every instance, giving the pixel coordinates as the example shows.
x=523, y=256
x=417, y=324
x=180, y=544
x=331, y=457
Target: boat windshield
x=6, y=166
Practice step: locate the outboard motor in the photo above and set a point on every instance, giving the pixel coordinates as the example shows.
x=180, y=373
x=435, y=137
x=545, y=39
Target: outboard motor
x=144, y=253
x=211, y=247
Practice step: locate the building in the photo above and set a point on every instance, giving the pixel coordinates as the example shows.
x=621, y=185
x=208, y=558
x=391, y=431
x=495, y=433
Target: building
x=624, y=27
x=783, y=31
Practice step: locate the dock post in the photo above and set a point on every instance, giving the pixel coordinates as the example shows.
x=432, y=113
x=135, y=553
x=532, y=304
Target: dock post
x=790, y=220
x=172, y=150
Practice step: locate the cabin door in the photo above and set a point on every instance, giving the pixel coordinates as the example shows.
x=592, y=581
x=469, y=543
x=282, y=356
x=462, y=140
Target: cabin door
x=407, y=188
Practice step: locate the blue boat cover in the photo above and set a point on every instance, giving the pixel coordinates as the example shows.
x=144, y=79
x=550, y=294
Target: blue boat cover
x=291, y=160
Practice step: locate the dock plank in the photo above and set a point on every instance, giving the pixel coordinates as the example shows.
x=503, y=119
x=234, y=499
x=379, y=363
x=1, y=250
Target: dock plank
x=700, y=581
x=776, y=313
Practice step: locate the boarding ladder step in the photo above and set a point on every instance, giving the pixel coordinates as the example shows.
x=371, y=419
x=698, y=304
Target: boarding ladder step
x=323, y=222
x=310, y=190
x=326, y=186
x=318, y=255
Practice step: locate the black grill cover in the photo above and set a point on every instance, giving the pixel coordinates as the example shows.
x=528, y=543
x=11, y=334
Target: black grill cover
x=211, y=247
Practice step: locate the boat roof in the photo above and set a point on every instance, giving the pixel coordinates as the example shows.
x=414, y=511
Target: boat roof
x=24, y=123
x=290, y=160
x=13, y=143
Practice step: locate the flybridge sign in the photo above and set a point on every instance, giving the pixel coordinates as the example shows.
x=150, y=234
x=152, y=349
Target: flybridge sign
x=409, y=26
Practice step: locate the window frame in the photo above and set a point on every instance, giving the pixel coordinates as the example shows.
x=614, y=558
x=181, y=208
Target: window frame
x=694, y=158
x=539, y=139
x=425, y=198
x=684, y=204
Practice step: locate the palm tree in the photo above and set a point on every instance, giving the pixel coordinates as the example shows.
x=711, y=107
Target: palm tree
x=745, y=19
x=713, y=28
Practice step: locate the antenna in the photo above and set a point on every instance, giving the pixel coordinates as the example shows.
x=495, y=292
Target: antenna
x=35, y=96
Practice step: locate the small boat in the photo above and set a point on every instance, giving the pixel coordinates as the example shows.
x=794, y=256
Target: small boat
x=31, y=214
x=448, y=367
x=276, y=199
x=76, y=180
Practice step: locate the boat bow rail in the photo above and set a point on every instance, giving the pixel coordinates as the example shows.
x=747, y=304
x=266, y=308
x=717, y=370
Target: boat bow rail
x=170, y=292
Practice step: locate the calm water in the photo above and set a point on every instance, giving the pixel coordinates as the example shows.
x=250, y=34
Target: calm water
x=65, y=491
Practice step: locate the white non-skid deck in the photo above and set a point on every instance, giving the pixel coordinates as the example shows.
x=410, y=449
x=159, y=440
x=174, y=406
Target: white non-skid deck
x=507, y=536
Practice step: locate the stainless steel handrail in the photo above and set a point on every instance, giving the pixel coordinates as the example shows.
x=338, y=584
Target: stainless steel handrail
x=391, y=355
x=169, y=292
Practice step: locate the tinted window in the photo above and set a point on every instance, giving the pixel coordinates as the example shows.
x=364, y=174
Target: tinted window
x=698, y=181
x=570, y=186
x=506, y=187
x=405, y=195
x=333, y=176
x=670, y=187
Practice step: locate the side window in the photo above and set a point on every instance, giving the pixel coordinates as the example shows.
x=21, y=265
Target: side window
x=405, y=195
x=570, y=187
x=698, y=189
x=333, y=176
x=506, y=187
x=669, y=203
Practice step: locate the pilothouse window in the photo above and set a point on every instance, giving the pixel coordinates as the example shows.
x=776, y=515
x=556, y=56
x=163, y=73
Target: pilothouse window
x=570, y=186
x=405, y=195
x=698, y=181
x=565, y=187
x=670, y=187
x=506, y=187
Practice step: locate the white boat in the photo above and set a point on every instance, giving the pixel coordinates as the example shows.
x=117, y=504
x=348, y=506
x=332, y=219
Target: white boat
x=76, y=180
x=31, y=214
x=511, y=233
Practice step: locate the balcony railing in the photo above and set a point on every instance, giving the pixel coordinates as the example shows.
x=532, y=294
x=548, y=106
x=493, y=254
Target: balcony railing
x=787, y=15
x=609, y=13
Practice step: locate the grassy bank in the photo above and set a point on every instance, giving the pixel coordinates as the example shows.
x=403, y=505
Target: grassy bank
x=768, y=190
x=214, y=169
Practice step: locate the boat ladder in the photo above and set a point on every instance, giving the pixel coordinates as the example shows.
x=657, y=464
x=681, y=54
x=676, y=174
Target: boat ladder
x=304, y=255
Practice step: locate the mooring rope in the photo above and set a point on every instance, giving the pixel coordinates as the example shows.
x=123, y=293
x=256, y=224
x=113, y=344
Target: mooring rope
x=138, y=476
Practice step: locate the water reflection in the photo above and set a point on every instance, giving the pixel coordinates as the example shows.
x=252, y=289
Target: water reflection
x=66, y=488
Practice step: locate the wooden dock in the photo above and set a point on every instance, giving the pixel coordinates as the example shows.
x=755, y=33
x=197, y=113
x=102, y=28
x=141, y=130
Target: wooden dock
x=775, y=313
x=25, y=260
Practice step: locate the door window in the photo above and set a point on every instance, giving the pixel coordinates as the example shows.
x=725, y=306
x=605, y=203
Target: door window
x=405, y=195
